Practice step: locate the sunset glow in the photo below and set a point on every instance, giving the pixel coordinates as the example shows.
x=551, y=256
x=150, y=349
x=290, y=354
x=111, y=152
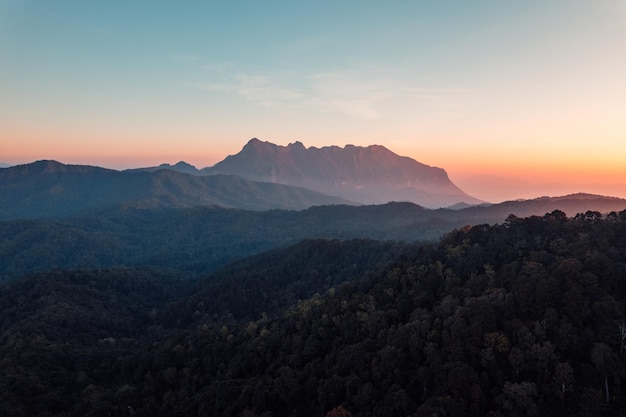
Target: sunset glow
x=512, y=99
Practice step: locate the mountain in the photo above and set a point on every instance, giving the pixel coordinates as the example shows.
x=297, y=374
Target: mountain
x=366, y=175
x=4, y=165
x=571, y=205
x=49, y=189
x=182, y=167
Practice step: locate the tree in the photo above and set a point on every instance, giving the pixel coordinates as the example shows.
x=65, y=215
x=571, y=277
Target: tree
x=604, y=360
x=563, y=380
x=339, y=411
x=518, y=398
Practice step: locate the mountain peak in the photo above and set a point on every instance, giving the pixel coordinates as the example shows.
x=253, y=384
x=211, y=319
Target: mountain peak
x=44, y=166
x=183, y=164
x=180, y=166
x=297, y=145
x=256, y=143
x=48, y=165
x=258, y=147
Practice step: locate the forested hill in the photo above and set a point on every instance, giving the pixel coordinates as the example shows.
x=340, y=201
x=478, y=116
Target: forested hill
x=272, y=281
x=61, y=330
x=196, y=241
x=524, y=318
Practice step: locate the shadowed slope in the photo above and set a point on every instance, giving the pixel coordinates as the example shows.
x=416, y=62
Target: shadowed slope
x=49, y=188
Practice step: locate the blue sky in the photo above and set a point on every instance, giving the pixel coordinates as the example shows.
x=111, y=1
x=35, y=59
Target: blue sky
x=513, y=99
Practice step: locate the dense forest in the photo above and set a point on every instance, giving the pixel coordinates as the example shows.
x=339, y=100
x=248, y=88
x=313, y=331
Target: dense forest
x=522, y=318
x=199, y=240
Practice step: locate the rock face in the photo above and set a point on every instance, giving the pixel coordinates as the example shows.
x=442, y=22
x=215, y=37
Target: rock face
x=367, y=175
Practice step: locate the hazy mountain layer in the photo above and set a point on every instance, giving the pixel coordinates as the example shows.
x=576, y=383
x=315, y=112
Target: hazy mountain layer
x=196, y=241
x=180, y=166
x=50, y=189
x=368, y=175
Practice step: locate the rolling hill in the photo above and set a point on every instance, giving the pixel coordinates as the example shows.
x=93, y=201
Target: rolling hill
x=52, y=189
x=195, y=241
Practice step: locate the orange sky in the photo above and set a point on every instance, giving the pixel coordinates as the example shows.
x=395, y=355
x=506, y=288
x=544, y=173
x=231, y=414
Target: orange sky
x=514, y=100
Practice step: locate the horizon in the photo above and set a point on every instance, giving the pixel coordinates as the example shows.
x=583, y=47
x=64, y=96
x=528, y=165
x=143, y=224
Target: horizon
x=515, y=195
x=514, y=101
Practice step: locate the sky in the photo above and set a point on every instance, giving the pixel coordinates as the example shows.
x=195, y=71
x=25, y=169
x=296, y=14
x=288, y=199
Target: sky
x=514, y=99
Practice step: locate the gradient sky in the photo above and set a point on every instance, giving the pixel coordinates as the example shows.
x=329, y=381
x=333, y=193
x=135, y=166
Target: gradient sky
x=515, y=99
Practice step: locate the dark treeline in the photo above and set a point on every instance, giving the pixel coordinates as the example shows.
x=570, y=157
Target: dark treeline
x=523, y=318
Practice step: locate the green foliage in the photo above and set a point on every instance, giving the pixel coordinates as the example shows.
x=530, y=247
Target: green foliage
x=516, y=319
x=61, y=331
x=480, y=324
x=272, y=281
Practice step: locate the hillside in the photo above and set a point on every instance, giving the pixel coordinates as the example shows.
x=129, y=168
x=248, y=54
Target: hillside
x=270, y=282
x=60, y=331
x=521, y=318
x=491, y=320
x=52, y=189
x=194, y=241
x=367, y=175
x=198, y=240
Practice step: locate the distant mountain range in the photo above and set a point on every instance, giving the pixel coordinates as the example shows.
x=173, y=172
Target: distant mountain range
x=569, y=204
x=265, y=176
x=52, y=189
x=365, y=175
x=182, y=167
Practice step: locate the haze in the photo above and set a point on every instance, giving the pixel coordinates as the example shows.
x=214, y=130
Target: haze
x=513, y=99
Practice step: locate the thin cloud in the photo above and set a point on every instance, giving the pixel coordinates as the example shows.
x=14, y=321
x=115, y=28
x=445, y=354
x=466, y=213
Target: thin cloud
x=350, y=93
x=356, y=94
x=257, y=88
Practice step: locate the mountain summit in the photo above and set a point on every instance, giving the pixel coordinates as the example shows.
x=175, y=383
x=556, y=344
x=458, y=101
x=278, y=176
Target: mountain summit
x=367, y=175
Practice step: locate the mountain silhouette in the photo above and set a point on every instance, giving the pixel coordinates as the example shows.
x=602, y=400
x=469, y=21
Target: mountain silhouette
x=366, y=175
x=50, y=189
x=180, y=166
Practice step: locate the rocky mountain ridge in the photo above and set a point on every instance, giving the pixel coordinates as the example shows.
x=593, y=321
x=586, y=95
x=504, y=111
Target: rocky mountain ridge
x=366, y=175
